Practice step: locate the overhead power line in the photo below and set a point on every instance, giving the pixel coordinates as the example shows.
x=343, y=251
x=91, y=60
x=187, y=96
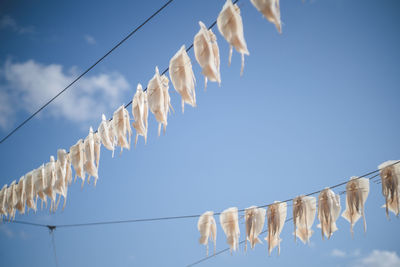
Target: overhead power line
x=53, y=227
x=86, y=71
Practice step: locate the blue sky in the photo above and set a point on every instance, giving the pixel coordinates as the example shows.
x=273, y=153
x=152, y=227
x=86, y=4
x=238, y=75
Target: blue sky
x=314, y=106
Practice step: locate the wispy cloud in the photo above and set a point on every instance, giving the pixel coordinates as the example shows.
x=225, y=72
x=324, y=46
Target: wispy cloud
x=89, y=39
x=379, y=258
x=7, y=22
x=28, y=85
x=338, y=253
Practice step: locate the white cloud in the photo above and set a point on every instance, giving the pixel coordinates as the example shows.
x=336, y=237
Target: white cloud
x=7, y=22
x=28, y=85
x=89, y=39
x=379, y=258
x=338, y=253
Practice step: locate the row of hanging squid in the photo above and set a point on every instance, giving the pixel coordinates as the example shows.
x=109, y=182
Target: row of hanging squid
x=304, y=212
x=50, y=181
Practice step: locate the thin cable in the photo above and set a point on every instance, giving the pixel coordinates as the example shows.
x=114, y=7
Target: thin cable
x=54, y=246
x=30, y=223
x=186, y=216
x=86, y=71
x=226, y=249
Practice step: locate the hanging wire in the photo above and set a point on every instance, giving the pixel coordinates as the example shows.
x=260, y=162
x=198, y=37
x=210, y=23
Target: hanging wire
x=186, y=216
x=53, y=242
x=226, y=249
x=86, y=71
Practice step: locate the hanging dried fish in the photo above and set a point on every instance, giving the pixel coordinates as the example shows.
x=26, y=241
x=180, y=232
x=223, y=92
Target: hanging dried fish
x=182, y=77
x=50, y=178
x=230, y=25
x=140, y=112
x=207, y=228
x=328, y=212
x=62, y=179
x=105, y=134
x=206, y=52
x=255, y=218
x=122, y=128
x=20, y=194
x=159, y=99
x=3, y=198
x=77, y=155
x=304, y=210
x=40, y=185
x=89, y=166
x=97, y=146
x=230, y=224
x=390, y=177
x=276, y=216
x=271, y=11
x=11, y=200
x=357, y=190
x=30, y=192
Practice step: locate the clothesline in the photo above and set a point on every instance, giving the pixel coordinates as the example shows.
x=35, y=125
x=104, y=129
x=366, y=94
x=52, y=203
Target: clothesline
x=183, y=216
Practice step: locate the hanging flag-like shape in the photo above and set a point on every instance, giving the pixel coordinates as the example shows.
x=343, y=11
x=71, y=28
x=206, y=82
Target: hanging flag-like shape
x=304, y=210
x=89, y=165
x=206, y=52
x=140, y=112
x=207, y=228
x=77, y=155
x=390, y=177
x=271, y=11
x=159, y=99
x=50, y=178
x=276, y=216
x=328, y=211
x=230, y=25
x=230, y=224
x=122, y=127
x=106, y=134
x=20, y=193
x=40, y=184
x=255, y=218
x=357, y=190
x=3, y=197
x=30, y=192
x=182, y=77
x=11, y=200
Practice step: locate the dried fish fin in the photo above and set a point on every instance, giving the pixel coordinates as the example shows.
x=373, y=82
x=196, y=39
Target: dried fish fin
x=230, y=25
x=255, y=218
x=276, y=216
x=271, y=11
x=304, y=210
x=230, y=224
x=390, y=177
x=328, y=212
x=207, y=228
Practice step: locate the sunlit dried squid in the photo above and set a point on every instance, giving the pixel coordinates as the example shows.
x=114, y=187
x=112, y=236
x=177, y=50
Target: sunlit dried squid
x=276, y=216
x=328, y=212
x=106, y=134
x=230, y=25
x=390, y=177
x=140, y=111
x=89, y=165
x=122, y=128
x=207, y=228
x=159, y=99
x=63, y=176
x=206, y=52
x=50, y=178
x=230, y=224
x=357, y=190
x=11, y=200
x=77, y=156
x=3, y=198
x=304, y=210
x=30, y=192
x=255, y=218
x=40, y=185
x=271, y=11
x=20, y=194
